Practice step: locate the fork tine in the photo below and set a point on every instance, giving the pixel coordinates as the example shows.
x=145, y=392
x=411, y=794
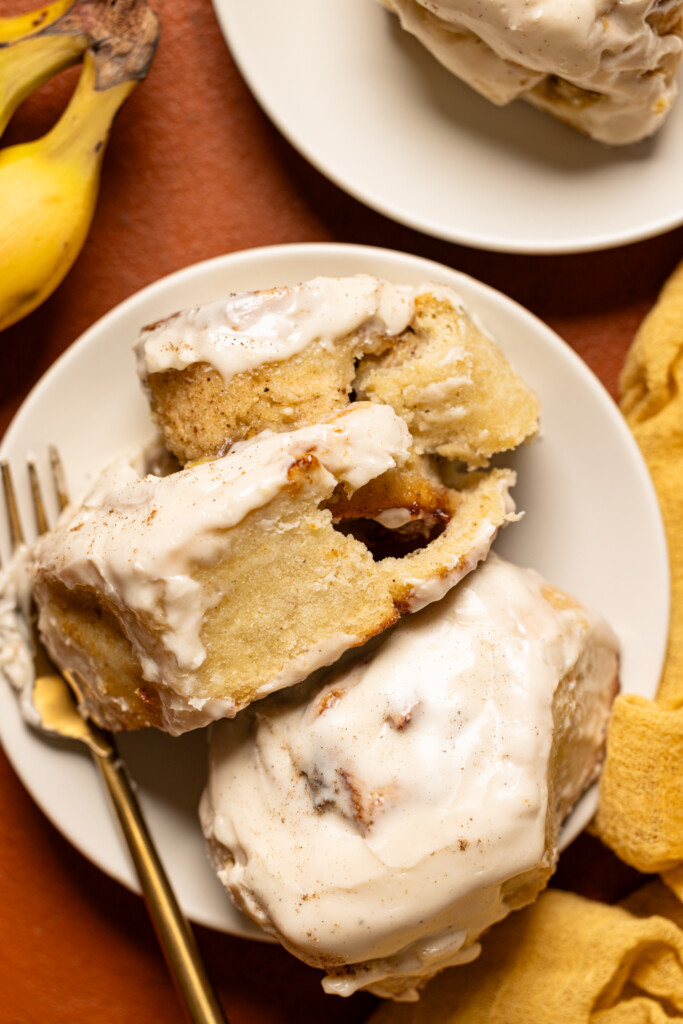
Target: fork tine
x=37, y=495
x=58, y=477
x=17, y=536
x=16, y=532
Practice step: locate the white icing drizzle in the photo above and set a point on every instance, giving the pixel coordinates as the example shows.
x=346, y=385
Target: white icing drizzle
x=394, y=518
x=373, y=818
x=16, y=653
x=138, y=539
x=242, y=331
x=504, y=49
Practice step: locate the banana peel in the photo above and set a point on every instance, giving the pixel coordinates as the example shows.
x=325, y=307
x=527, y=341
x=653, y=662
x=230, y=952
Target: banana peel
x=49, y=186
x=19, y=25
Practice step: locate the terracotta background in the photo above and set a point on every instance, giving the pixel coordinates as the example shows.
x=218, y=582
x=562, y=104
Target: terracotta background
x=195, y=169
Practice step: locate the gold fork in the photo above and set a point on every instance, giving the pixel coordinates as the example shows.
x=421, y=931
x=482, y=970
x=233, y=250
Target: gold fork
x=54, y=697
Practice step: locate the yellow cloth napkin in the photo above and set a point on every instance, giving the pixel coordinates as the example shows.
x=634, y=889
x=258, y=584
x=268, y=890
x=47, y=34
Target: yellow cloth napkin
x=641, y=792
x=566, y=959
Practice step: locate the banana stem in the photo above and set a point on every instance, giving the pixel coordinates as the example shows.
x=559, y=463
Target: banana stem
x=123, y=36
x=83, y=129
x=27, y=63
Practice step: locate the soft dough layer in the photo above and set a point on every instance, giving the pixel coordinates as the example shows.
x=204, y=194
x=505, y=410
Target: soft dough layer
x=379, y=819
x=607, y=68
x=283, y=358
x=178, y=600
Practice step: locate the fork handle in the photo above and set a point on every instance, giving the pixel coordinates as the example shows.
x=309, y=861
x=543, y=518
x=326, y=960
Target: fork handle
x=172, y=928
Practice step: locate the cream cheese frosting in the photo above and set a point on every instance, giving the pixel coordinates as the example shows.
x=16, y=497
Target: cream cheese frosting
x=375, y=819
x=608, y=68
x=244, y=330
x=138, y=539
x=16, y=653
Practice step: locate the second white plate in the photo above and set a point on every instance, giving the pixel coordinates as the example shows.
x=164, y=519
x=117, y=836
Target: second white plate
x=591, y=525
x=368, y=106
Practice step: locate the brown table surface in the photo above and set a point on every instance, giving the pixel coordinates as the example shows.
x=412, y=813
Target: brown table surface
x=195, y=169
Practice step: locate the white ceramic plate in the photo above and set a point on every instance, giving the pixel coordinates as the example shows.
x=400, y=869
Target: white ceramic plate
x=367, y=105
x=592, y=526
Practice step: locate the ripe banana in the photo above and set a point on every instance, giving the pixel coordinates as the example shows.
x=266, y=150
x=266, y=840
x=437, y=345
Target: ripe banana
x=48, y=187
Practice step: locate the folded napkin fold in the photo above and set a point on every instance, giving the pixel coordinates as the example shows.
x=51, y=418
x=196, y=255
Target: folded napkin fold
x=567, y=958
